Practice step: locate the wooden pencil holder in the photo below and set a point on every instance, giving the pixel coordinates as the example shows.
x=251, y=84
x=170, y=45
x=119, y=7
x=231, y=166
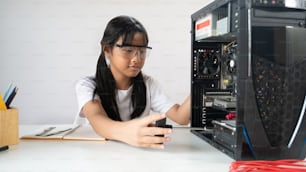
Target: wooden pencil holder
x=9, y=127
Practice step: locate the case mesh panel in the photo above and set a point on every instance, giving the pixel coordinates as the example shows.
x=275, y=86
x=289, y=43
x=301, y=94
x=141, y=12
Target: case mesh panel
x=279, y=92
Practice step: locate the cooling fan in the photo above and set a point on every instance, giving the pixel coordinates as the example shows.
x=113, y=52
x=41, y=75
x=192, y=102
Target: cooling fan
x=209, y=62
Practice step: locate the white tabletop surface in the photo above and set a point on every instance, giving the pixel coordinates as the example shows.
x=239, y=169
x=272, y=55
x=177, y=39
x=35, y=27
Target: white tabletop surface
x=186, y=152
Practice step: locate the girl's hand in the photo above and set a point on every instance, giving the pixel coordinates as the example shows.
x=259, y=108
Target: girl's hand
x=140, y=132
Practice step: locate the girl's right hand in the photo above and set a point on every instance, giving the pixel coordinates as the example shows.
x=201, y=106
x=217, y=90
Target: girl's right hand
x=140, y=132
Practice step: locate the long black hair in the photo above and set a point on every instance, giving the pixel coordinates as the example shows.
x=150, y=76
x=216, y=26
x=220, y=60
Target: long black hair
x=124, y=27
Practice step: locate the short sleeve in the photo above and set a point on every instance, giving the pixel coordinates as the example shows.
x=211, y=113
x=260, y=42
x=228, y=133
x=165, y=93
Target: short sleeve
x=84, y=92
x=160, y=102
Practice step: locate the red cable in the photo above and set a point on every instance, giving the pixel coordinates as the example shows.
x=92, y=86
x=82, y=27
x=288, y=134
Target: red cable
x=288, y=165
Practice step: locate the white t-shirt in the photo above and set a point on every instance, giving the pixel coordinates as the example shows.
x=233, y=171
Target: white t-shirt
x=157, y=101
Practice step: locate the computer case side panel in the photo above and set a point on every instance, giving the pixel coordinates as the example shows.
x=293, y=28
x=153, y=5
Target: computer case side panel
x=248, y=117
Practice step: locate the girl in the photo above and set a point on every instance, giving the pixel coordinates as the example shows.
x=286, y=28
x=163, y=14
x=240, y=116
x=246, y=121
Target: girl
x=118, y=100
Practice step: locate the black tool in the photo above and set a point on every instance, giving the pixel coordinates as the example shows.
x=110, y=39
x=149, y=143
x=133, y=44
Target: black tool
x=162, y=123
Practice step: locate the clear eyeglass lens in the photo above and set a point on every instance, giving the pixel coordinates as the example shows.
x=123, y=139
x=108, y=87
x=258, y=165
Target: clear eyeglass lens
x=130, y=51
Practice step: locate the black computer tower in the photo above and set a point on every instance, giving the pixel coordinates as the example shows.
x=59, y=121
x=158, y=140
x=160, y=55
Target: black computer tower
x=248, y=77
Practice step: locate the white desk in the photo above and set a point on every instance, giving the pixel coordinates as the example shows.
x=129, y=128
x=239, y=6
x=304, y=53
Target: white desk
x=186, y=152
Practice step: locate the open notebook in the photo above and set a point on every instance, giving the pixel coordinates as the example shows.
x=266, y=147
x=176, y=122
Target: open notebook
x=64, y=132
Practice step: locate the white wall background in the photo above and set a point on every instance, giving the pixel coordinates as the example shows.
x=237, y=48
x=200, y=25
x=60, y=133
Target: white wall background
x=46, y=45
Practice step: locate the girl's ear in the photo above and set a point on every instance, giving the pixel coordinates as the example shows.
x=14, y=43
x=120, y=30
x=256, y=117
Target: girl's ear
x=106, y=50
x=107, y=53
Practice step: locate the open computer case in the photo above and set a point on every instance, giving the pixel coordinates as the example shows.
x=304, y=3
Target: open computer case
x=248, y=77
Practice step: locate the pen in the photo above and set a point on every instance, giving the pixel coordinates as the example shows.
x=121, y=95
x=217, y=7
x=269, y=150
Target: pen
x=9, y=88
x=58, y=132
x=45, y=131
x=73, y=129
x=11, y=97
